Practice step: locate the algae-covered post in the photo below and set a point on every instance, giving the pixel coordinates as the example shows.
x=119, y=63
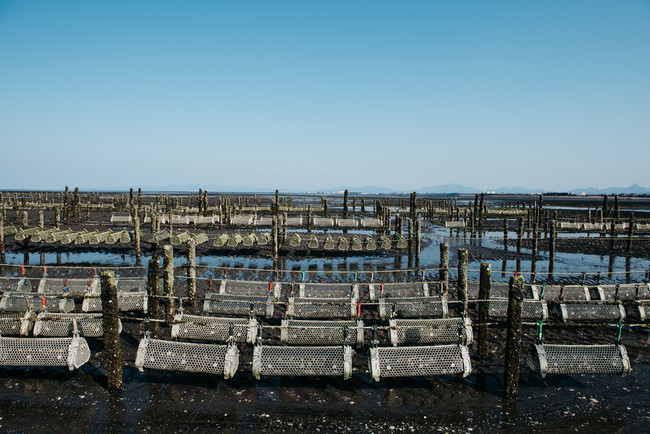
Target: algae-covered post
x=462, y=274
x=168, y=282
x=345, y=203
x=444, y=266
x=484, y=310
x=191, y=271
x=153, y=291
x=513, y=337
x=309, y=218
x=110, y=320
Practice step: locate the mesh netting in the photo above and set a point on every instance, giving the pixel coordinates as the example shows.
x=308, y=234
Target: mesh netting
x=241, y=287
x=322, y=307
x=21, y=302
x=347, y=223
x=209, y=328
x=302, y=361
x=413, y=307
x=61, y=324
x=70, y=352
x=16, y=284
x=73, y=286
x=644, y=311
x=301, y=332
x=430, y=331
x=419, y=361
x=406, y=289
x=626, y=292
x=323, y=221
x=530, y=309
x=578, y=359
x=126, y=301
x=371, y=223
x=132, y=284
x=15, y=324
x=187, y=357
x=570, y=292
x=328, y=290
x=238, y=304
x=592, y=312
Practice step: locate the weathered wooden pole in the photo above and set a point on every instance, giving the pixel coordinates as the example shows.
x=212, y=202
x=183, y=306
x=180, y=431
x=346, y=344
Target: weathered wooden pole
x=110, y=320
x=76, y=205
x=66, y=205
x=41, y=219
x=612, y=234
x=274, y=238
x=444, y=267
x=484, y=310
x=535, y=237
x=551, y=254
x=57, y=217
x=410, y=242
x=513, y=337
x=418, y=242
x=520, y=234
x=168, y=282
x=137, y=235
x=617, y=214
x=630, y=235
x=481, y=213
x=505, y=234
x=345, y=204
x=462, y=274
x=3, y=258
x=309, y=218
x=153, y=292
x=191, y=271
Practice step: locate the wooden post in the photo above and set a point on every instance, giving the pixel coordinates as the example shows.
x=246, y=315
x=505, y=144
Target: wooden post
x=410, y=242
x=617, y=215
x=137, y=235
x=41, y=219
x=76, y=204
x=3, y=258
x=274, y=237
x=444, y=267
x=520, y=234
x=153, y=292
x=345, y=204
x=191, y=271
x=513, y=338
x=551, y=254
x=481, y=213
x=110, y=321
x=66, y=205
x=418, y=242
x=462, y=274
x=309, y=218
x=57, y=217
x=535, y=237
x=168, y=282
x=630, y=235
x=484, y=310
x=505, y=234
x=613, y=235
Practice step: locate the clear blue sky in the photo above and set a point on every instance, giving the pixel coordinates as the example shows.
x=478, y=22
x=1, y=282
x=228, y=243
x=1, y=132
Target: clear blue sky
x=310, y=95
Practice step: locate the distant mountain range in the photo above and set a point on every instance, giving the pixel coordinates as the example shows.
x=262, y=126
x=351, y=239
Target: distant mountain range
x=370, y=189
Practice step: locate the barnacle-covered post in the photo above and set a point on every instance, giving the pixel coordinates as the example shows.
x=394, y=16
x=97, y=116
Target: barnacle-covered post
x=110, y=320
x=191, y=270
x=153, y=292
x=513, y=338
x=168, y=282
